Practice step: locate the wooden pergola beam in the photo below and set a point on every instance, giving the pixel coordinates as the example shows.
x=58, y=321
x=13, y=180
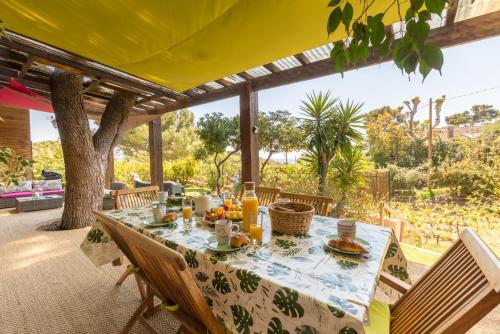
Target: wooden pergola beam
x=89, y=67
x=461, y=32
x=249, y=110
x=155, y=153
x=451, y=12
x=26, y=66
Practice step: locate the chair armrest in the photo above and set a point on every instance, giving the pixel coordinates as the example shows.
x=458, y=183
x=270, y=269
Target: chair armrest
x=394, y=283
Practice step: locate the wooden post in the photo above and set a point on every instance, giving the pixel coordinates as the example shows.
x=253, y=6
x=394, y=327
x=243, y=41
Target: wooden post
x=109, y=178
x=249, y=135
x=155, y=153
x=429, y=152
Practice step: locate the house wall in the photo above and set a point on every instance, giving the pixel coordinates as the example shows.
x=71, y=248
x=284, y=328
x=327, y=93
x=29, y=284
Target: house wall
x=15, y=130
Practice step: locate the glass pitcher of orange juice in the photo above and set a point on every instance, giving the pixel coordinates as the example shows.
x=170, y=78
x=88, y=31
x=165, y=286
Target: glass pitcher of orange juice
x=250, y=205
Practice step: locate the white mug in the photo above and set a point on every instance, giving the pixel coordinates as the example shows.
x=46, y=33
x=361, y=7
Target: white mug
x=224, y=230
x=163, y=195
x=157, y=214
x=346, y=229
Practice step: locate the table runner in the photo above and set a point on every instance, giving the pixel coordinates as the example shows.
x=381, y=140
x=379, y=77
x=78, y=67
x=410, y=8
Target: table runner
x=291, y=284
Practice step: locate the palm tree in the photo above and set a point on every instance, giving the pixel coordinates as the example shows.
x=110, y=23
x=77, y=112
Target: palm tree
x=348, y=172
x=330, y=126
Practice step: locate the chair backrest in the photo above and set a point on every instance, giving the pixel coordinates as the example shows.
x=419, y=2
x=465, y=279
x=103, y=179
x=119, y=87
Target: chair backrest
x=456, y=292
x=129, y=198
x=166, y=271
x=266, y=195
x=321, y=204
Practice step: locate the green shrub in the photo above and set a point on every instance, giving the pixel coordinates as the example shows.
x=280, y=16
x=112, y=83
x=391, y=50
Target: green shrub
x=409, y=178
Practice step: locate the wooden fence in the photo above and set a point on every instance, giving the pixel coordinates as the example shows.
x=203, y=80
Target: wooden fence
x=378, y=184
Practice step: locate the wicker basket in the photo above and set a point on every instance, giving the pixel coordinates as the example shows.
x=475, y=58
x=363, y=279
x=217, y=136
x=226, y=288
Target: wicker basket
x=295, y=222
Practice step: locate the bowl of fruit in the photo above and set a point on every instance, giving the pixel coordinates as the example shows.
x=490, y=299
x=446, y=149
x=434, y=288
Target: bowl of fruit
x=214, y=214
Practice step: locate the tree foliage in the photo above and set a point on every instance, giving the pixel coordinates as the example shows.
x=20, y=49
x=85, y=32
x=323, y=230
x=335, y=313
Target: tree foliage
x=478, y=114
x=330, y=126
x=366, y=34
x=13, y=167
x=220, y=136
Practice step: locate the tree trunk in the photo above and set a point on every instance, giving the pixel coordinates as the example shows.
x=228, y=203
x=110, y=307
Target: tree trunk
x=264, y=164
x=286, y=158
x=323, y=173
x=339, y=208
x=85, y=156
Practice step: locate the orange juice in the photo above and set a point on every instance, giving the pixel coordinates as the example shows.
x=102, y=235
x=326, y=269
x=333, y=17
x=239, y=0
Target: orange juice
x=228, y=203
x=187, y=212
x=250, y=212
x=256, y=232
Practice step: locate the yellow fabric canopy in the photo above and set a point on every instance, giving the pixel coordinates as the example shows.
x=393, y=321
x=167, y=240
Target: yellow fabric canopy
x=179, y=44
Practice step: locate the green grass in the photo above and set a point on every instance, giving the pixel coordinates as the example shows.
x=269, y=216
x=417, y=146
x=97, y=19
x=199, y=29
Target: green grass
x=196, y=191
x=419, y=255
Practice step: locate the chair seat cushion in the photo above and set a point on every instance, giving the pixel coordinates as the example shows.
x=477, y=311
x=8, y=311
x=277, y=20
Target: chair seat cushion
x=380, y=318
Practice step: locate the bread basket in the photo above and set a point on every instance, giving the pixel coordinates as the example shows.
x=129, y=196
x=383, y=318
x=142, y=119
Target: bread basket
x=295, y=221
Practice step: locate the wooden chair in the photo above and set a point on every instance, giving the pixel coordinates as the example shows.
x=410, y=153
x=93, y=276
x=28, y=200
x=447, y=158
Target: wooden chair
x=266, y=195
x=166, y=274
x=321, y=204
x=130, y=198
x=456, y=292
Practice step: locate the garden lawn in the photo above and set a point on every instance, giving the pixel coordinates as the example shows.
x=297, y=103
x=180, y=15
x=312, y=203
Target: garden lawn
x=419, y=255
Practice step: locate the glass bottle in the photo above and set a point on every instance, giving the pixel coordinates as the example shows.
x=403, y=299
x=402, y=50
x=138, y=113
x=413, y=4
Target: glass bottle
x=250, y=205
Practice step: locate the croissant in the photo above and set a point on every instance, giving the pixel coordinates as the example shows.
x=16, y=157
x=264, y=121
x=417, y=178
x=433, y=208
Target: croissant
x=348, y=245
x=239, y=240
x=170, y=217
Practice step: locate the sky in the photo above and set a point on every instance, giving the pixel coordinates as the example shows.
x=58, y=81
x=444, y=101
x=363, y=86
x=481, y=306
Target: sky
x=467, y=69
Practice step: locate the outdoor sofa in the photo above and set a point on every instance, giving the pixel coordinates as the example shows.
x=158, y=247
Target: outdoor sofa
x=24, y=189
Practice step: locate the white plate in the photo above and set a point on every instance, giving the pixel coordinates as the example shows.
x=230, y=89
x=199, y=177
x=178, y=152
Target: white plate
x=213, y=245
x=360, y=241
x=150, y=222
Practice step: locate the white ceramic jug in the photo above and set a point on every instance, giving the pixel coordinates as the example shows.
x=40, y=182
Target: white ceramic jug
x=202, y=204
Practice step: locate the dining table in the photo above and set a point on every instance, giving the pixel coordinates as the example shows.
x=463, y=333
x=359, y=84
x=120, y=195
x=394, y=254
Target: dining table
x=287, y=284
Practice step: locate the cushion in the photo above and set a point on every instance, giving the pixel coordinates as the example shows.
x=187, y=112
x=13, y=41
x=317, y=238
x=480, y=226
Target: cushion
x=17, y=194
x=48, y=184
x=23, y=186
x=53, y=192
x=380, y=318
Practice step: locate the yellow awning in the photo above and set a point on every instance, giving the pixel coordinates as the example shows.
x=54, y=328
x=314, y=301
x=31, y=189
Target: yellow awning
x=179, y=44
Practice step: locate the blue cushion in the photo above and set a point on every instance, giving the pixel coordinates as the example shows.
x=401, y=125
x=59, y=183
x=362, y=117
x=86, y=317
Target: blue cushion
x=380, y=318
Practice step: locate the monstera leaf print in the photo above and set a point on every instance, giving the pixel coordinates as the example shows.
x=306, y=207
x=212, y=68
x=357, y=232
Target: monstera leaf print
x=348, y=330
x=275, y=327
x=171, y=244
x=248, y=280
x=305, y=329
x=338, y=312
x=398, y=272
x=218, y=257
x=286, y=300
x=242, y=319
x=209, y=301
x=285, y=244
x=291, y=252
x=347, y=264
x=392, y=250
x=95, y=236
x=190, y=258
x=315, y=250
x=277, y=269
x=220, y=283
x=338, y=281
x=202, y=277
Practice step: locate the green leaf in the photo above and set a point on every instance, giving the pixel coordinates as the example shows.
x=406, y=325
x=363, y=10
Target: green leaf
x=377, y=33
x=337, y=48
x=334, y=20
x=410, y=14
x=346, y=264
x=242, y=319
x=364, y=51
x=433, y=56
x=393, y=248
x=347, y=15
x=385, y=47
x=416, y=4
x=334, y=3
x=95, y=236
x=410, y=63
x=424, y=15
x=285, y=244
x=220, y=283
x=421, y=31
x=286, y=301
x=275, y=327
x=424, y=69
x=202, y=277
x=435, y=6
x=218, y=257
x=336, y=311
x=401, y=51
x=354, y=52
x=398, y=272
x=249, y=281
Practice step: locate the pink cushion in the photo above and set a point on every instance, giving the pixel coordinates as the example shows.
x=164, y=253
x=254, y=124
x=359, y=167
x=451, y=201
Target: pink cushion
x=28, y=194
x=14, y=195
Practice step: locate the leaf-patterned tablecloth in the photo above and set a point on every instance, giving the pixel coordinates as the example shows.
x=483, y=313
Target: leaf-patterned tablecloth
x=289, y=285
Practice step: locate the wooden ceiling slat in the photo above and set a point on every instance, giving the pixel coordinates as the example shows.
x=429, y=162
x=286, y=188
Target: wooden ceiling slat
x=271, y=67
x=224, y=82
x=246, y=75
x=26, y=66
x=11, y=55
x=302, y=58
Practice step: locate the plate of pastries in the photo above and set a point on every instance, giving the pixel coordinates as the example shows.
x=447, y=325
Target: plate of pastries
x=350, y=246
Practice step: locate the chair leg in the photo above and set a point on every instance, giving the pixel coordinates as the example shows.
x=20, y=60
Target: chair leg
x=140, y=286
x=126, y=274
x=138, y=316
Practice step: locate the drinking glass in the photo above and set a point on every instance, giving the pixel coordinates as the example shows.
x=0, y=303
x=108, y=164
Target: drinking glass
x=187, y=210
x=228, y=200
